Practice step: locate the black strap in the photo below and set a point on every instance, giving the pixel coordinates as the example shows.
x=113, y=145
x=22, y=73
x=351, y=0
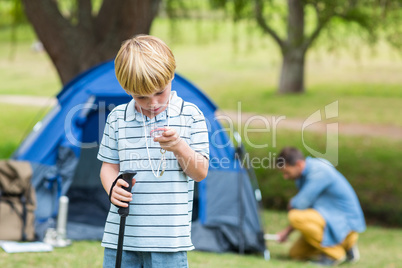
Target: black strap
x=24, y=217
x=113, y=185
x=127, y=177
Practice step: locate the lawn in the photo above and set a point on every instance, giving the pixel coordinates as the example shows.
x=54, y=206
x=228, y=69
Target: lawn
x=372, y=166
x=365, y=81
x=16, y=122
x=367, y=85
x=379, y=248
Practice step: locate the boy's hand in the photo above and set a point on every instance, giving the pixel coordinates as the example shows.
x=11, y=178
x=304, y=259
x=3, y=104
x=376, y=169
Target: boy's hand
x=119, y=195
x=170, y=140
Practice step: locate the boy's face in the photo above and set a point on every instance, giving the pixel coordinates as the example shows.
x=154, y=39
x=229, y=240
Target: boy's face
x=153, y=104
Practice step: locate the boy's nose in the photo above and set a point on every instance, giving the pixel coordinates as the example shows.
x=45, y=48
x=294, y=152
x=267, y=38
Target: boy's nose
x=153, y=102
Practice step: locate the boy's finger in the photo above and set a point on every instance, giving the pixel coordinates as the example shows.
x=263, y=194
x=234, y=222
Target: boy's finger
x=118, y=203
x=169, y=132
x=163, y=139
x=122, y=183
x=121, y=198
x=123, y=192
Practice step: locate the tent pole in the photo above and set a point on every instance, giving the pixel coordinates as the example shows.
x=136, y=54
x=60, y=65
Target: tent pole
x=240, y=154
x=241, y=214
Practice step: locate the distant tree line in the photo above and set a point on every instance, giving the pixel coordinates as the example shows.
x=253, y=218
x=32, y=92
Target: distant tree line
x=89, y=32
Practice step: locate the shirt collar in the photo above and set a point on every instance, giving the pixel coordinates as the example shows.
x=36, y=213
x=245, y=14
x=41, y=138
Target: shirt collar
x=307, y=166
x=300, y=181
x=174, y=109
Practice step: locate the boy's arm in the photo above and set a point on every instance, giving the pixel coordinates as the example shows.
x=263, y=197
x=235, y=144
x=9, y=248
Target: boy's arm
x=108, y=175
x=193, y=164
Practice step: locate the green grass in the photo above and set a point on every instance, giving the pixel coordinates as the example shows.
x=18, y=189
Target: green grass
x=24, y=71
x=372, y=166
x=367, y=84
x=233, y=63
x=368, y=87
x=379, y=247
x=16, y=122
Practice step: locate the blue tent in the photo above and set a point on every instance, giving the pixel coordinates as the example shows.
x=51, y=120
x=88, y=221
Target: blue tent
x=62, y=149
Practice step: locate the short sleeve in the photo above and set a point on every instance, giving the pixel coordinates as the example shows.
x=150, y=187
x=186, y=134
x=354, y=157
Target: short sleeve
x=199, y=135
x=108, y=149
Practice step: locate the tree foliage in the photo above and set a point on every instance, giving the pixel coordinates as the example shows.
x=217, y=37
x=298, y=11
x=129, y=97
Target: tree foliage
x=83, y=33
x=295, y=25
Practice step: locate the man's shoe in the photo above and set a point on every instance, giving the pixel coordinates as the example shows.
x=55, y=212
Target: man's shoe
x=353, y=254
x=324, y=260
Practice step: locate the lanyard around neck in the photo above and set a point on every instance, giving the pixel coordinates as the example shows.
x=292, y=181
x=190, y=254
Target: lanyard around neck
x=162, y=161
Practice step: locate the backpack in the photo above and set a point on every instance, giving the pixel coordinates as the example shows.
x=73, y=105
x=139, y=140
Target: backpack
x=17, y=201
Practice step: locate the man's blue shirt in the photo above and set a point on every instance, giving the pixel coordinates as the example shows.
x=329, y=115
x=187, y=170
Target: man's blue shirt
x=323, y=188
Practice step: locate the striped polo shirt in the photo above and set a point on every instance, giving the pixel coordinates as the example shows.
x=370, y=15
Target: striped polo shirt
x=161, y=209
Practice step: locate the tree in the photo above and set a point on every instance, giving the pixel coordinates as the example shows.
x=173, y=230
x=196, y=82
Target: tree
x=370, y=15
x=84, y=37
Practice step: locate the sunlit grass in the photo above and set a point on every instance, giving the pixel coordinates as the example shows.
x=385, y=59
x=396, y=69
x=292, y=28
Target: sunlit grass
x=379, y=247
x=371, y=165
x=367, y=84
x=16, y=122
x=234, y=63
x=24, y=71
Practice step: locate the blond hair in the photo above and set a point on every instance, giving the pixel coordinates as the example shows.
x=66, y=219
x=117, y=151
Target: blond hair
x=144, y=65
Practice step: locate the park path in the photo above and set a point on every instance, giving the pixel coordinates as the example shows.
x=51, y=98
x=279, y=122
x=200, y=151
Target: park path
x=349, y=129
x=253, y=120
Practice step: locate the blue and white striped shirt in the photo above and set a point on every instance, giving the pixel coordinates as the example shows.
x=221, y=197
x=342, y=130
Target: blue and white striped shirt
x=161, y=209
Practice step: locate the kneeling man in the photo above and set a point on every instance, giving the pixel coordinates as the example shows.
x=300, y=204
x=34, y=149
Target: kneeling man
x=325, y=210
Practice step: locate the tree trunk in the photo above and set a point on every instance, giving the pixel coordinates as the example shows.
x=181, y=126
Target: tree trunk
x=76, y=46
x=293, y=51
x=292, y=73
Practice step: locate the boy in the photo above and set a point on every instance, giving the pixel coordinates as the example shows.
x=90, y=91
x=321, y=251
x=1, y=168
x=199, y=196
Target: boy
x=159, y=224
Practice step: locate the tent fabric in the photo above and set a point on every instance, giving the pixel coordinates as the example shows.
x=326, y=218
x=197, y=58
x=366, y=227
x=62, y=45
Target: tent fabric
x=62, y=150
